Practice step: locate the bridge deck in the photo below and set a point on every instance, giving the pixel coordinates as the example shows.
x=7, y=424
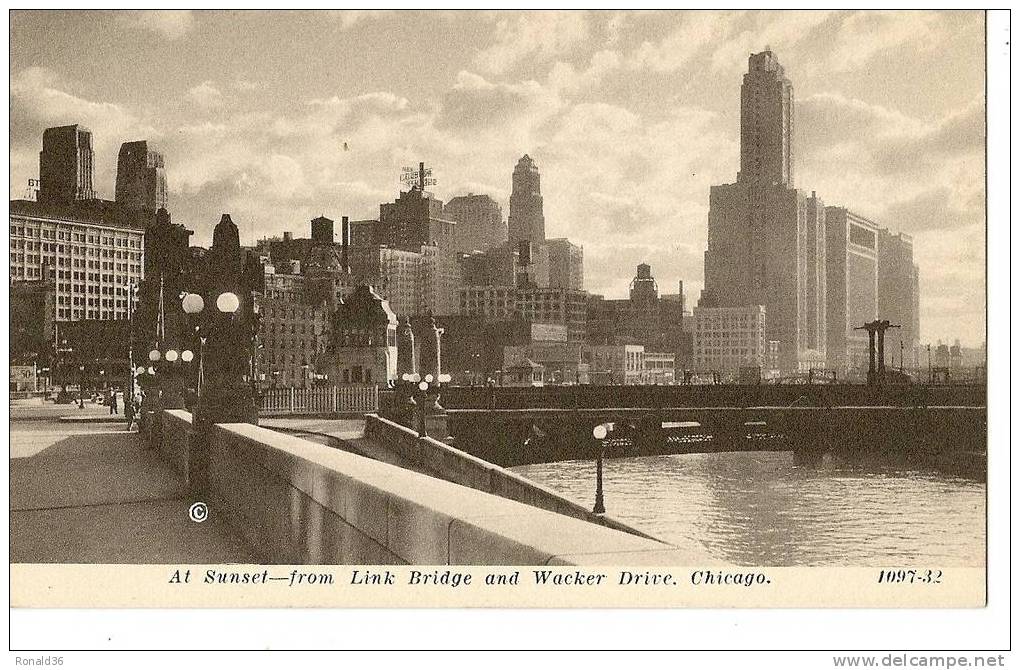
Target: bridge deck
x=94, y=494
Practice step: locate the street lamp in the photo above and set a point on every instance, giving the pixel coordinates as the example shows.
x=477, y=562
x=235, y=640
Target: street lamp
x=228, y=305
x=424, y=388
x=599, y=432
x=81, y=387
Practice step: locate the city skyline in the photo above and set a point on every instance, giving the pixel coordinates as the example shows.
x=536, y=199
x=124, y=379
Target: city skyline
x=615, y=129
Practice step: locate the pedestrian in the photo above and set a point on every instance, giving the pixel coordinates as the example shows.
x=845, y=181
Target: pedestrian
x=129, y=412
x=113, y=402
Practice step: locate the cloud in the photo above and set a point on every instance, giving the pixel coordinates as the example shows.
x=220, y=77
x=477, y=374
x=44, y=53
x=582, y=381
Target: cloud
x=351, y=17
x=936, y=209
x=171, y=24
x=533, y=35
x=205, y=95
x=564, y=77
x=476, y=103
x=697, y=31
x=40, y=99
x=865, y=35
x=780, y=31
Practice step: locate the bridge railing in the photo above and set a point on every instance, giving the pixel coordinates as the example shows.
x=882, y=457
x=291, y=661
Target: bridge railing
x=708, y=395
x=321, y=400
x=296, y=501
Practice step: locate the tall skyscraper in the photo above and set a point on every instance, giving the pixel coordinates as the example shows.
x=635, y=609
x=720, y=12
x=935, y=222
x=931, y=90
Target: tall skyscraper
x=527, y=222
x=766, y=122
x=759, y=246
x=480, y=224
x=66, y=165
x=141, y=179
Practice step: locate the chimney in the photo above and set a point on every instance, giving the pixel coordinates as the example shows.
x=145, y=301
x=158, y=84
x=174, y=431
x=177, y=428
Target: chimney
x=287, y=236
x=345, y=242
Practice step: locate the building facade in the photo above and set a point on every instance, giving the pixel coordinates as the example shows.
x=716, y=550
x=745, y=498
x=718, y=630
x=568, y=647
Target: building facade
x=479, y=219
x=727, y=339
x=766, y=122
x=814, y=336
x=533, y=305
x=293, y=331
x=93, y=251
x=415, y=222
x=527, y=220
x=141, y=177
x=896, y=294
x=759, y=246
x=645, y=318
x=616, y=363
x=852, y=286
x=362, y=346
x=566, y=264
x=66, y=164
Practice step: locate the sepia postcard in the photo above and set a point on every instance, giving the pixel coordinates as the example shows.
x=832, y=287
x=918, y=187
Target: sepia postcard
x=543, y=309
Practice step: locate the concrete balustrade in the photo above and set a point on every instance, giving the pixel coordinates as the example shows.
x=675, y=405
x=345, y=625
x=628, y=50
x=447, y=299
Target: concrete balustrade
x=174, y=439
x=462, y=468
x=301, y=502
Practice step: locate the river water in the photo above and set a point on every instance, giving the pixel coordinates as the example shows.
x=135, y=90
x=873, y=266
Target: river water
x=765, y=509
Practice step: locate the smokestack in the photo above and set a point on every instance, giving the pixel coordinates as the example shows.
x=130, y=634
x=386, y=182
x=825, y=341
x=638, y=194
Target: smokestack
x=345, y=242
x=682, y=300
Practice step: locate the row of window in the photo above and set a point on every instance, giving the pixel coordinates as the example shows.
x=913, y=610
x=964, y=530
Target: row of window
x=75, y=235
x=78, y=314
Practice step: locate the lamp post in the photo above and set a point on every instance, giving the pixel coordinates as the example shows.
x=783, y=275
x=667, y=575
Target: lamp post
x=599, y=432
x=425, y=388
x=81, y=387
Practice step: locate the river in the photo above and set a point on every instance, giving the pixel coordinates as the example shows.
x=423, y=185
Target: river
x=764, y=509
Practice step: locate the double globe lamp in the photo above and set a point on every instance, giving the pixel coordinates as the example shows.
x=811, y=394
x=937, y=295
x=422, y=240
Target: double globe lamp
x=227, y=303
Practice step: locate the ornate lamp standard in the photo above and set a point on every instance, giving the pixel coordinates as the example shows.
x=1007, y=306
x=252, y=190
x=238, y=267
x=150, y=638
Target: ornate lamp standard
x=225, y=310
x=599, y=432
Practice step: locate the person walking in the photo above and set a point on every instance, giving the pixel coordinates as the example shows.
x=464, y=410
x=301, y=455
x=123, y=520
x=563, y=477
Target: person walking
x=113, y=402
x=129, y=411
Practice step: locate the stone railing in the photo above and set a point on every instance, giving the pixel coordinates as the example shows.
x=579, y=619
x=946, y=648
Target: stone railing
x=462, y=468
x=320, y=400
x=301, y=502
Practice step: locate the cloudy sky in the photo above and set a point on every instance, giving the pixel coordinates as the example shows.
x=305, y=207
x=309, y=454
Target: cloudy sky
x=631, y=117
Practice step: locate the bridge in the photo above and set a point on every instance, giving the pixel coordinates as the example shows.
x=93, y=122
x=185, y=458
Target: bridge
x=359, y=491
x=941, y=426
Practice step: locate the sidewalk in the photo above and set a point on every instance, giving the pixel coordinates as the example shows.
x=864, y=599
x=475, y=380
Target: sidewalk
x=91, y=494
x=50, y=410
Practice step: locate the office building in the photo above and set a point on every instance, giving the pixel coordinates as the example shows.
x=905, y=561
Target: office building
x=141, y=178
x=896, y=295
x=851, y=286
x=94, y=252
x=758, y=234
x=566, y=264
x=616, y=363
x=527, y=221
x=727, y=339
x=415, y=222
x=479, y=219
x=645, y=318
x=66, y=165
x=766, y=123
x=533, y=305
